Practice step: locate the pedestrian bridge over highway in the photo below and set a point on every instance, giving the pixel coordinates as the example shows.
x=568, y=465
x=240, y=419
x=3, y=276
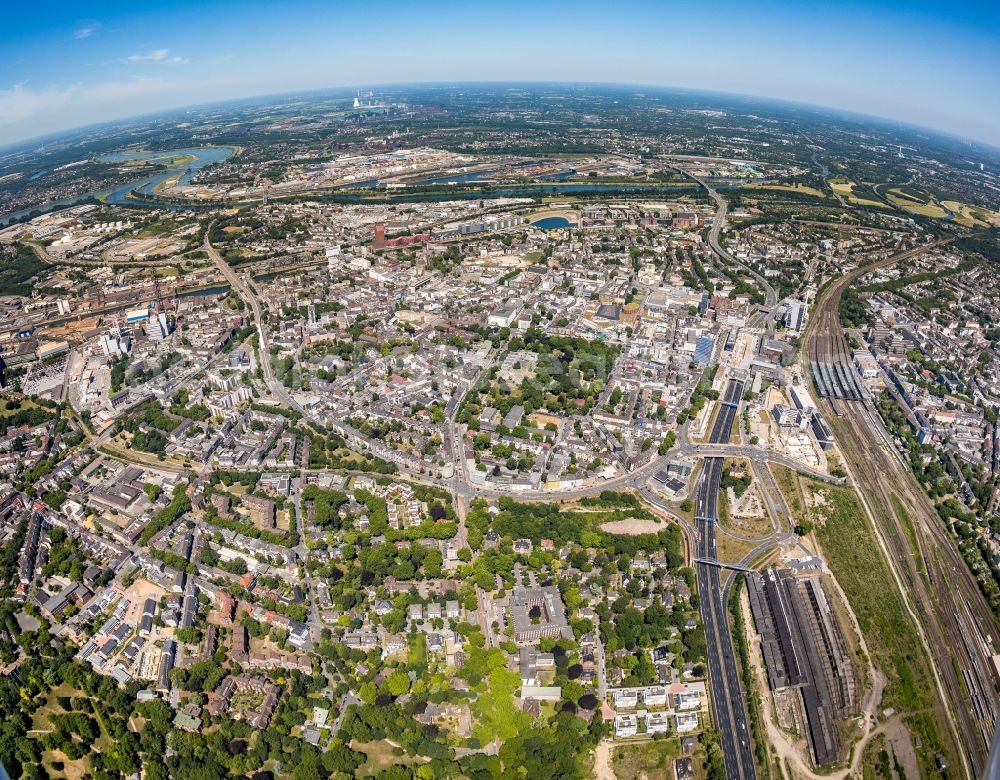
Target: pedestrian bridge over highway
x=722, y=565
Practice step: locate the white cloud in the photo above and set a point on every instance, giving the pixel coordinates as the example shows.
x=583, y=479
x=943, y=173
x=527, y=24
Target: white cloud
x=86, y=30
x=20, y=103
x=27, y=112
x=21, y=106
x=160, y=56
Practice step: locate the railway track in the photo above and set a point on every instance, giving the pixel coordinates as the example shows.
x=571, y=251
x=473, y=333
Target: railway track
x=957, y=625
x=932, y=573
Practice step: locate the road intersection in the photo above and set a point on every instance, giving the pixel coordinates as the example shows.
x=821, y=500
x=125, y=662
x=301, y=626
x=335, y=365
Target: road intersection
x=727, y=695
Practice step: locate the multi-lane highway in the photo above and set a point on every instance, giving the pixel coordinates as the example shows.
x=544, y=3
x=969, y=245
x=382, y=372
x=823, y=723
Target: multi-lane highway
x=721, y=208
x=458, y=482
x=727, y=696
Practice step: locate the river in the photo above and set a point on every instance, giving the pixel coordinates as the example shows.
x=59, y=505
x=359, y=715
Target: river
x=204, y=156
x=548, y=184
x=120, y=196
x=823, y=170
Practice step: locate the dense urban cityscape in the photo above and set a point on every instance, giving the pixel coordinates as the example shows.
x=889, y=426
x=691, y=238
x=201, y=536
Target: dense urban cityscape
x=499, y=431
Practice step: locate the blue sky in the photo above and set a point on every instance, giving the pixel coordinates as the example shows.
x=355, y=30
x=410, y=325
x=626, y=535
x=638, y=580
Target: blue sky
x=64, y=65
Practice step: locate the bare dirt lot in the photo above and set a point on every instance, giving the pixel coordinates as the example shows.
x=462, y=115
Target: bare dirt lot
x=632, y=527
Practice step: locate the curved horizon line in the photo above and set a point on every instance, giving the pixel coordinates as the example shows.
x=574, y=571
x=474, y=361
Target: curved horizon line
x=817, y=107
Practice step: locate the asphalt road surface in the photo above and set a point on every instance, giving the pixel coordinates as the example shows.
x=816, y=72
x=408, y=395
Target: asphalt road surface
x=724, y=678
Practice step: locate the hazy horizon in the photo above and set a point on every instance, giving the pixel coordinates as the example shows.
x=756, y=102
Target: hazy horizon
x=913, y=63
x=346, y=90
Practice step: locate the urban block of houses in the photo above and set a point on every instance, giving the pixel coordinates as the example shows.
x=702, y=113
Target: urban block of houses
x=538, y=613
x=257, y=718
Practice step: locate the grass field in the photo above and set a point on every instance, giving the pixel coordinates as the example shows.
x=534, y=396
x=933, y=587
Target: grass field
x=911, y=194
x=25, y=403
x=723, y=510
x=171, y=161
x=167, y=184
x=732, y=550
x=920, y=202
x=791, y=489
x=569, y=214
x=914, y=205
x=841, y=186
x=802, y=189
x=972, y=216
x=845, y=189
x=910, y=531
x=382, y=755
x=162, y=228
x=749, y=526
x=855, y=558
x=653, y=760
x=120, y=447
x=875, y=762
x=40, y=717
x=55, y=762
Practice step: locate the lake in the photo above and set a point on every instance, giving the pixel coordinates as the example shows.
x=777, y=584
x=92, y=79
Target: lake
x=553, y=223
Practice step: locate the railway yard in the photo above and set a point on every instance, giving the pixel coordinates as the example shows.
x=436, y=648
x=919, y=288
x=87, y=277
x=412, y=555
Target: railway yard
x=956, y=625
x=378, y=446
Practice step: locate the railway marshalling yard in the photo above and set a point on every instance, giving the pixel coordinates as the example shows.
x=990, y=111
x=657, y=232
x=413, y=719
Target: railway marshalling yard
x=611, y=444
